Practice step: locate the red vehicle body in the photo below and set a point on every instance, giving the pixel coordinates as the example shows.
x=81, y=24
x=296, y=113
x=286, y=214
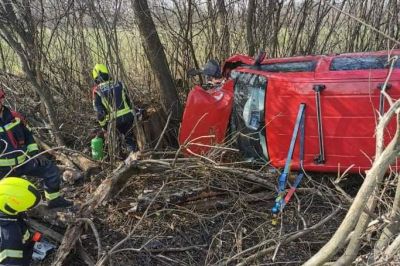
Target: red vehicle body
x=261, y=103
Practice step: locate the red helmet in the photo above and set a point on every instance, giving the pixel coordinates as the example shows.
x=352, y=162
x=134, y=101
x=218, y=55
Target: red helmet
x=2, y=93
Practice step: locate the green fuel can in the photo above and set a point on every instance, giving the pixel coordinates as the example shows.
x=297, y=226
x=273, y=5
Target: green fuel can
x=97, y=145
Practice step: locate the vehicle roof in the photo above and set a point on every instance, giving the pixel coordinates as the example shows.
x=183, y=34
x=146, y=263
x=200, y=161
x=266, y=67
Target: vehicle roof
x=317, y=57
x=322, y=62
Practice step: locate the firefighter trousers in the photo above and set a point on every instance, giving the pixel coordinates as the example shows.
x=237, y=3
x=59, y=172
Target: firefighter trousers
x=43, y=169
x=16, y=246
x=125, y=126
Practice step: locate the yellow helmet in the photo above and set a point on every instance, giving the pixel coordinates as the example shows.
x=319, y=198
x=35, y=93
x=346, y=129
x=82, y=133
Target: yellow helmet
x=17, y=195
x=99, y=68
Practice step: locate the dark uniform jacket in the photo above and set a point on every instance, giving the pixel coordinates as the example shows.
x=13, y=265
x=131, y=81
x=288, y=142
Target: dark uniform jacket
x=15, y=139
x=16, y=245
x=110, y=101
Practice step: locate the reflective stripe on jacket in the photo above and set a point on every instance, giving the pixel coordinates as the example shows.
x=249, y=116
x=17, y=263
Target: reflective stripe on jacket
x=16, y=140
x=16, y=246
x=110, y=101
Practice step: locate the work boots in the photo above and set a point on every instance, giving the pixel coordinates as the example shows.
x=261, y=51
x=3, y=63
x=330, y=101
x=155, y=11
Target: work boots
x=59, y=202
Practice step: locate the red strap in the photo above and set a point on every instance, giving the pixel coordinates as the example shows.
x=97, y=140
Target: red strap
x=10, y=135
x=15, y=114
x=12, y=139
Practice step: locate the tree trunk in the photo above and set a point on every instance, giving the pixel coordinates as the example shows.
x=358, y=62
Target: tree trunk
x=251, y=10
x=20, y=32
x=223, y=23
x=47, y=100
x=156, y=56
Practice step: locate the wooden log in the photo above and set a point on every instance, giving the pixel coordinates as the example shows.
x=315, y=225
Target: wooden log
x=88, y=166
x=107, y=190
x=58, y=155
x=51, y=216
x=172, y=198
x=78, y=164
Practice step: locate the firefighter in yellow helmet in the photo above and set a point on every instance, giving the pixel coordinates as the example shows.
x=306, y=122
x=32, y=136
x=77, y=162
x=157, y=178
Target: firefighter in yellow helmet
x=17, y=195
x=110, y=101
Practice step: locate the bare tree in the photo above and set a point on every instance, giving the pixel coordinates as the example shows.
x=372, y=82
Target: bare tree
x=223, y=23
x=19, y=29
x=158, y=61
x=251, y=9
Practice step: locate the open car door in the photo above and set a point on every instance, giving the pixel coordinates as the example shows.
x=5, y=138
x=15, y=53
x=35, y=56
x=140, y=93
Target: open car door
x=206, y=118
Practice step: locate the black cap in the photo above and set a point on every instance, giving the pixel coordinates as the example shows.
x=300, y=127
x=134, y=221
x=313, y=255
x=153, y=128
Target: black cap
x=212, y=69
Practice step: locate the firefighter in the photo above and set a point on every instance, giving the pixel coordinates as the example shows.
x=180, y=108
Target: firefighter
x=17, y=195
x=17, y=146
x=110, y=101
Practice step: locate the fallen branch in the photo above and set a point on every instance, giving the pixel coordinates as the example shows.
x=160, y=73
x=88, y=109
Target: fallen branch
x=76, y=161
x=50, y=216
x=106, y=191
x=114, y=249
x=218, y=203
x=393, y=228
x=163, y=250
x=374, y=176
x=84, y=255
x=284, y=240
x=391, y=250
x=96, y=235
x=249, y=175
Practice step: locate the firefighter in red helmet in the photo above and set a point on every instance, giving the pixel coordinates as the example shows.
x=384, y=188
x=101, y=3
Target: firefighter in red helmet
x=17, y=146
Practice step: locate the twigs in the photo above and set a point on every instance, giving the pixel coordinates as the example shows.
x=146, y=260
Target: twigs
x=96, y=234
x=114, y=249
x=108, y=189
x=284, y=240
x=163, y=250
x=163, y=131
x=363, y=23
x=193, y=197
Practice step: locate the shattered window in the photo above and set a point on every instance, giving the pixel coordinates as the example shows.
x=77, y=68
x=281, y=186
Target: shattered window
x=303, y=66
x=248, y=115
x=361, y=63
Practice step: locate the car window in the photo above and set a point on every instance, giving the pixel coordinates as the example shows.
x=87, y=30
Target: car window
x=360, y=63
x=303, y=66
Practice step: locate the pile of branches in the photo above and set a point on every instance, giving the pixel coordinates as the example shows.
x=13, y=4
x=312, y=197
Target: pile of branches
x=191, y=211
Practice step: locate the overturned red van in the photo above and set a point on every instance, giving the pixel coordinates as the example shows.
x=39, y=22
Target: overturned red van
x=259, y=104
